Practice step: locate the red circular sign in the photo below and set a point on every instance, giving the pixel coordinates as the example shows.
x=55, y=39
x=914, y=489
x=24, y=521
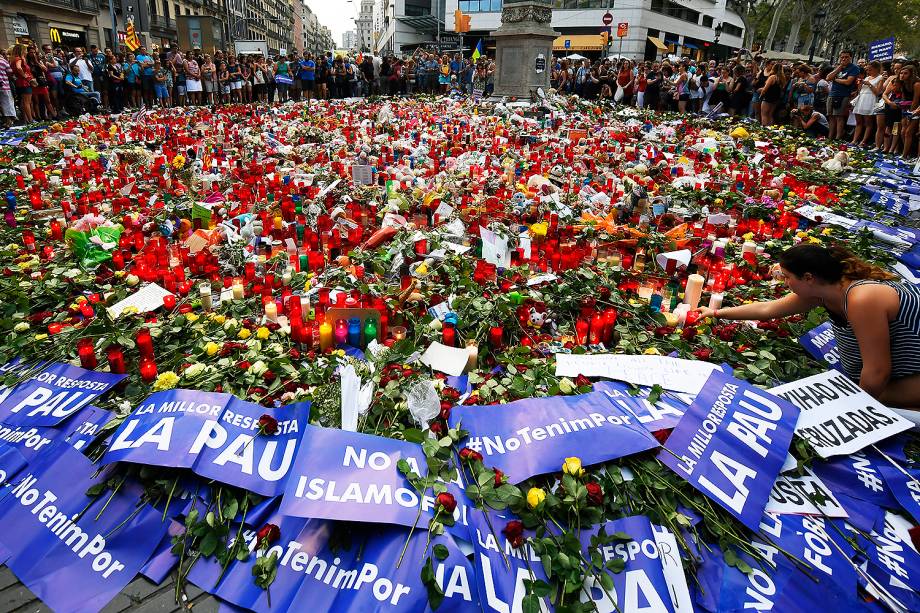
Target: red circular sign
x=608, y=19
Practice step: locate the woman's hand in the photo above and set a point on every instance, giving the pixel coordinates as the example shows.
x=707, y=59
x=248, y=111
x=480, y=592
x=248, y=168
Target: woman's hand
x=705, y=312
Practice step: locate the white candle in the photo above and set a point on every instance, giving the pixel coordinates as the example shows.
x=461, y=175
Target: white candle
x=237, y=291
x=271, y=311
x=748, y=247
x=681, y=313
x=206, y=301
x=715, y=300
x=472, y=352
x=694, y=290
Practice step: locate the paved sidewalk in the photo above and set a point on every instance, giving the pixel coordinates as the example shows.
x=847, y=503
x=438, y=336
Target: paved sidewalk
x=139, y=595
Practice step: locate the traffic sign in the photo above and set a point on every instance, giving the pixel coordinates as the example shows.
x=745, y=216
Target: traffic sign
x=622, y=29
x=568, y=43
x=608, y=18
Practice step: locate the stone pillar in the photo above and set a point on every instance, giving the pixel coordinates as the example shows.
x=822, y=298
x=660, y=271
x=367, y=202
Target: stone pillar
x=524, y=47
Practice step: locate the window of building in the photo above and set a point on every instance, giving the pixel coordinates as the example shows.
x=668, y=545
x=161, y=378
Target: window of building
x=707, y=21
x=676, y=11
x=481, y=6
x=733, y=30
x=582, y=4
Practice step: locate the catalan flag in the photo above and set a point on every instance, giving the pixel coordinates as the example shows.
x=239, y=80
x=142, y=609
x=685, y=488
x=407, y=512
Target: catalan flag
x=477, y=52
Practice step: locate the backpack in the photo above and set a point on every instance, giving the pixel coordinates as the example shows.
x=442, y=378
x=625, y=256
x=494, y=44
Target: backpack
x=693, y=84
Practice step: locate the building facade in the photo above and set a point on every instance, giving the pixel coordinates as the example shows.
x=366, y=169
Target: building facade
x=654, y=28
x=365, y=26
x=297, y=33
x=268, y=20
x=350, y=40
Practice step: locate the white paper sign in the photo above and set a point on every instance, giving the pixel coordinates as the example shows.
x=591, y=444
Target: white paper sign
x=449, y=360
x=795, y=496
x=673, y=569
x=495, y=249
x=148, y=298
x=837, y=416
x=674, y=374
x=362, y=174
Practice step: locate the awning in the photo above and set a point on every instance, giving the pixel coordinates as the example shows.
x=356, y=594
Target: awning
x=579, y=42
x=690, y=46
x=657, y=42
x=422, y=23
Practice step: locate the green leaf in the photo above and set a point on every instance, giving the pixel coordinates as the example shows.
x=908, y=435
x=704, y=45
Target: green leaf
x=616, y=565
x=440, y=552
x=530, y=604
x=208, y=544
x=607, y=581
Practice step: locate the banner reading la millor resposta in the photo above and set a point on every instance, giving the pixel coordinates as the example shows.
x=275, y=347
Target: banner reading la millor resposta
x=731, y=445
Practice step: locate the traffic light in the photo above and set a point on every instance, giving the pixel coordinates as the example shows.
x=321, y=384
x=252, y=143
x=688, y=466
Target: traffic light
x=461, y=22
x=605, y=36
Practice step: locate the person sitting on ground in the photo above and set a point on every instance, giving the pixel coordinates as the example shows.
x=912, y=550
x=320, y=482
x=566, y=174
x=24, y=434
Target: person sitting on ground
x=811, y=121
x=876, y=319
x=73, y=84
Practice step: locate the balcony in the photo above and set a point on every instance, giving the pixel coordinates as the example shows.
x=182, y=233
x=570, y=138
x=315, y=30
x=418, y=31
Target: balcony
x=82, y=6
x=162, y=23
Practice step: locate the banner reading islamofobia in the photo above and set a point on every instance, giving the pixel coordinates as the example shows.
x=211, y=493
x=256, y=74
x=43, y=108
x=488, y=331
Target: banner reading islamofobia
x=731, y=445
x=216, y=435
x=837, y=416
x=534, y=436
x=75, y=552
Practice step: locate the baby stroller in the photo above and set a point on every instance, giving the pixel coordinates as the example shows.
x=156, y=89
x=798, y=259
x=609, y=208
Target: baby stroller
x=76, y=104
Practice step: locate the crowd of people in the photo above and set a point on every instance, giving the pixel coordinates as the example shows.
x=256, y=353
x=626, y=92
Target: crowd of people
x=870, y=104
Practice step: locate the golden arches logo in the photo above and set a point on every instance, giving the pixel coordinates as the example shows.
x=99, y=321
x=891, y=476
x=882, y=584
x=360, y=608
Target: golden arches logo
x=55, y=35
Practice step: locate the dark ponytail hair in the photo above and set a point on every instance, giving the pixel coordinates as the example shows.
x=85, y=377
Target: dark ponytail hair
x=830, y=264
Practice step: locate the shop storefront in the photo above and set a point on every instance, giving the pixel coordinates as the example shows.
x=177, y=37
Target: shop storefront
x=66, y=36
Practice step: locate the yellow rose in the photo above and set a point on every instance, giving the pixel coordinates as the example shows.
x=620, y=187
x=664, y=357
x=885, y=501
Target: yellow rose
x=572, y=466
x=41, y=337
x=262, y=333
x=220, y=319
x=244, y=333
x=191, y=317
x=651, y=351
x=535, y=496
x=212, y=348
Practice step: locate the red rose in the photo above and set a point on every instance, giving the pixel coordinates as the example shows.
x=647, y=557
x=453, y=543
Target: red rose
x=661, y=435
x=689, y=333
x=243, y=365
x=445, y=411
x=268, y=424
x=294, y=353
x=582, y=380
x=595, y=493
x=703, y=353
x=468, y=455
x=499, y=477
x=662, y=331
x=268, y=376
x=446, y=501
x=267, y=534
x=436, y=428
x=514, y=532
x=915, y=536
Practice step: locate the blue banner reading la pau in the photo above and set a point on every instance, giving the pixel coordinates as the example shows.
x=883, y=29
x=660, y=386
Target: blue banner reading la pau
x=53, y=395
x=533, y=436
x=74, y=564
x=731, y=445
x=215, y=435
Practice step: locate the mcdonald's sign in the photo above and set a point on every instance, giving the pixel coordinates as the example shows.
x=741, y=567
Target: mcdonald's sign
x=71, y=38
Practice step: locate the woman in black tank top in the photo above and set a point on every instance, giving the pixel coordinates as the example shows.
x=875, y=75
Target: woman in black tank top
x=876, y=319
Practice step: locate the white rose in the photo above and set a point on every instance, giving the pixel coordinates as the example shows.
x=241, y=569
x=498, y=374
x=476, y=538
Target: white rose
x=22, y=326
x=132, y=280
x=258, y=368
x=194, y=370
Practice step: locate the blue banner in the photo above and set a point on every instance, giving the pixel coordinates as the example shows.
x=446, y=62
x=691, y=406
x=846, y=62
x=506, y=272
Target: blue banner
x=359, y=576
x=215, y=435
x=857, y=475
x=731, y=444
x=86, y=425
x=662, y=415
x=11, y=462
x=890, y=549
x=881, y=49
x=820, y=343
x=905, y=487
x=74, y=564
x=53, y=395
x=641, y=585
x=534, y=436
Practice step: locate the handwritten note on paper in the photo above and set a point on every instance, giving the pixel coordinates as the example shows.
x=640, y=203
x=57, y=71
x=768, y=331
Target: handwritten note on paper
x=673, y=374
x=495, y=248
x=148, y=298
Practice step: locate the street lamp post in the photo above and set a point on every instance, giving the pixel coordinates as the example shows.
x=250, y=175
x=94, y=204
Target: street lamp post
x=715, y=40
x=816, y=25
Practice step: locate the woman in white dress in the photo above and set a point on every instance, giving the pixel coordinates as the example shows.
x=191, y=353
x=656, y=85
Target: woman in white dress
x=864, y=105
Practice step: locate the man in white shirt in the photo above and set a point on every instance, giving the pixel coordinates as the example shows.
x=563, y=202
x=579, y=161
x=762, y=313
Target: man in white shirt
x=85, y=68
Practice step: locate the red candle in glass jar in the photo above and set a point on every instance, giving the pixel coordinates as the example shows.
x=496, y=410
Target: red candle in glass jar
x=87, y=353
x=169, y=301
x=449, y=335
x=496, y=337
x=597, y=329
x=144, y=343
x=148, y=369
x=582, y=328
x=116, y=357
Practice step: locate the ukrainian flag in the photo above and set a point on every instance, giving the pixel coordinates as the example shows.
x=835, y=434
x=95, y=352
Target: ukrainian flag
x=477, y=52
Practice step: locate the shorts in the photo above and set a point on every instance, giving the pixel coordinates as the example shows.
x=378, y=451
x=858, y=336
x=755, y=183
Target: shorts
x=147, y=83
x=308, y=85
x=161, y=91
x=193, y=85
x=444, y=79
x=683, y=97
x=210, y=87
x=225, y=88
x=838, y=106
x=23, y=91
x=236, y=85
x=180, y=90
